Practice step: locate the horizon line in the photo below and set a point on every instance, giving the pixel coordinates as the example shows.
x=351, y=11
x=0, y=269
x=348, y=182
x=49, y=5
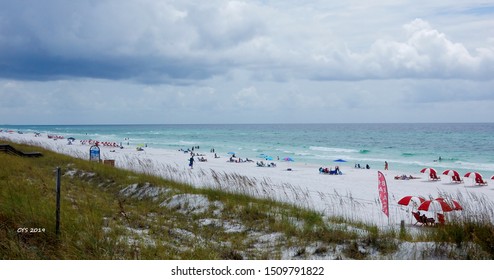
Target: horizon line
x=268, y=123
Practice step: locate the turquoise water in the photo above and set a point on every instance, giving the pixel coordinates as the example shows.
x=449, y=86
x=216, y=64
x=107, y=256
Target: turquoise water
x=406, y=147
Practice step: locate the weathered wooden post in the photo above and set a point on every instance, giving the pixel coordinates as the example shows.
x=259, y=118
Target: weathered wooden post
x=57, y=225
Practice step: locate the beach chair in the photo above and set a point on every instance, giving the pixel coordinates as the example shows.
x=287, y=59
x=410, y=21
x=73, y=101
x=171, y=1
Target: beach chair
x=479, y=181
x=422, y=220
x=433, y=177
x=418, y=219
x=456, y=179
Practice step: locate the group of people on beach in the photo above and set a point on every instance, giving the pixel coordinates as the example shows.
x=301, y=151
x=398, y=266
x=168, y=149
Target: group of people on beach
x=367, y=166
x=189, y=150
x=330, y=171
x=426, y=220
x=233, y=158
x=405, y=177
x=239, y=160
x=357, y=165
x=262, y=164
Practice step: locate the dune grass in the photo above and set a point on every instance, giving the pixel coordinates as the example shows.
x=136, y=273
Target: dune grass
x=111, y=213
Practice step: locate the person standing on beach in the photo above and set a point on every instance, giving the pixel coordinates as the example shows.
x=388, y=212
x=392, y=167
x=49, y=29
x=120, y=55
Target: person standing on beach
x=385, y=165
x=191, y=162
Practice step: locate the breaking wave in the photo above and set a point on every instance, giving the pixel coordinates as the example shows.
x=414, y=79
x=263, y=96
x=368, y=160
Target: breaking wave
x=335, y=150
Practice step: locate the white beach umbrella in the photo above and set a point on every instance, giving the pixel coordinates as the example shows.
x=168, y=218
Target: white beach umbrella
x=428, y=170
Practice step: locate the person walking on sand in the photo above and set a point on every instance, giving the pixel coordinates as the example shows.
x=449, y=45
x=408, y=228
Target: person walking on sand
x=385, y=165
x=191, y=162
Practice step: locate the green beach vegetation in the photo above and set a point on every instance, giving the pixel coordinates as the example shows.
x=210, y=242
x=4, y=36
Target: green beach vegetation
x=109, y=214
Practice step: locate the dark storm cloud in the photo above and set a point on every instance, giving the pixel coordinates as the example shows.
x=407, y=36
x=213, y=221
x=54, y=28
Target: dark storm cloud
x=50, y=40
x=39, y=66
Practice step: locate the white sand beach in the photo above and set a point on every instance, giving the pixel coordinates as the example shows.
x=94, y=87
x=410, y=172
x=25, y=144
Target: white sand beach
x=353, y=195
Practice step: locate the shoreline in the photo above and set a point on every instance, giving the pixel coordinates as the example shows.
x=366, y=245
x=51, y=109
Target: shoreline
x=353, y=195
x=320, y=144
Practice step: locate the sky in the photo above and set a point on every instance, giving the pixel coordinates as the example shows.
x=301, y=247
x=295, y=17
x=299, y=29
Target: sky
x=286, y=61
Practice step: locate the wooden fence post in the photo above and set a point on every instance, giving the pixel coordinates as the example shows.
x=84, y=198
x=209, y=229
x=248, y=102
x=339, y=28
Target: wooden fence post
x=57, y=226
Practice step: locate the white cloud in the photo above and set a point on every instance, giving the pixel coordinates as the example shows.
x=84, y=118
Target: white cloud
x=426, y=53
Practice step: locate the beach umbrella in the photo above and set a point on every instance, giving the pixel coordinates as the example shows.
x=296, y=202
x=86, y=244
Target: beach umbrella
x=476, y=177
x=288, y=159
x=339, y=160
x=428, y=170
x=492, y=178
x=435, y=205
x=455, y=176
x=231, y=153
x=415, y=200
x=473, y=175
x=451, y=172
x=455, y=204
x=268, y=158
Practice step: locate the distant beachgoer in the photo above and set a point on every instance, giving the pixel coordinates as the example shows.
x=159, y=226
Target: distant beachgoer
x=367, y=166
x=385, y=165
x=191, y=162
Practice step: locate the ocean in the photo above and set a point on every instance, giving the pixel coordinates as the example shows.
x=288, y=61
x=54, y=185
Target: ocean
x=406, y=147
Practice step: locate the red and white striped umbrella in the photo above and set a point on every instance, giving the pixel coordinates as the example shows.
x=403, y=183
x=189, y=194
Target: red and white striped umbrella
x=406, y=200
x=428, y=170
x=492, y=178
x=455, y=204
x=435, y=205
x=473, y=175
x=451, y=172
